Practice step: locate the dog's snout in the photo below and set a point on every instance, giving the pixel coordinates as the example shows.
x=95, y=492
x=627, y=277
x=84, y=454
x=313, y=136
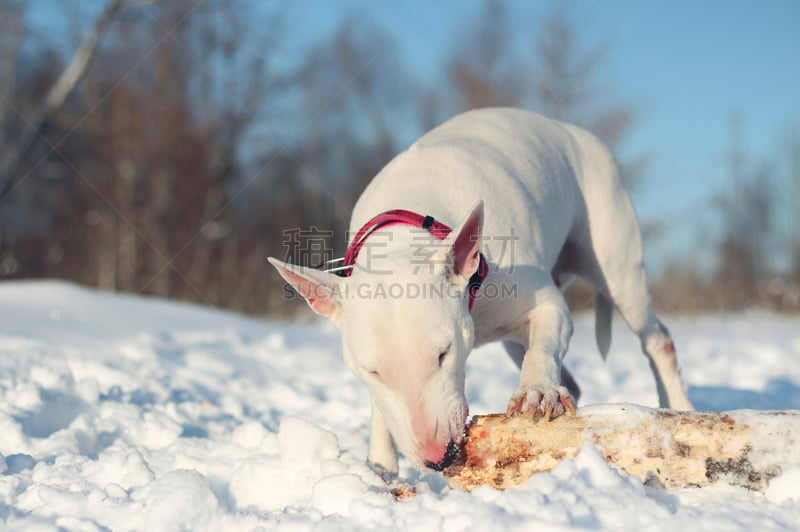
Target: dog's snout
x=450, y=456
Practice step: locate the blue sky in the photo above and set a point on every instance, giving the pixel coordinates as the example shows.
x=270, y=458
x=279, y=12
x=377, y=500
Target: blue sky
x=685, y=66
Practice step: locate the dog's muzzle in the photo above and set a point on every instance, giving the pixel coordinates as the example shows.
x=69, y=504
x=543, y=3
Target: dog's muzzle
x=449, y=457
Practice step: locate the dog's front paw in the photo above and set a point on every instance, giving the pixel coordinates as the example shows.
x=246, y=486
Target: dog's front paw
x=546, y=403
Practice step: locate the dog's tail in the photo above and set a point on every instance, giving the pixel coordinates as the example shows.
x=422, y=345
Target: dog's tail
x=603, y=313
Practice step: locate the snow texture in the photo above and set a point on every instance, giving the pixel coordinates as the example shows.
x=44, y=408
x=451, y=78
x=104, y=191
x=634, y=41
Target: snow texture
x=132, y=413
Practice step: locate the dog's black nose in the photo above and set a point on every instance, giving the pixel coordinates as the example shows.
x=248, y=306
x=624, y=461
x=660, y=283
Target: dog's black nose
x=447, y=460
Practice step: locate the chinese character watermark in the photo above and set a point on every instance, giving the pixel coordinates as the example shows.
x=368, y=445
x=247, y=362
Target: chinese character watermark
x=309, y=247
x=312, y=247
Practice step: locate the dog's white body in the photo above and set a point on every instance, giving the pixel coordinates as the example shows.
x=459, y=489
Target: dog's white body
x=554, y=207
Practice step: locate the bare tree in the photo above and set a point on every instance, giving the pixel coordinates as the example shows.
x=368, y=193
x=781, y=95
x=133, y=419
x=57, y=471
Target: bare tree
x=177, y=124
x=567, y=86
x=792, y=156
x=746, y=208
x=559, y=77
x=354, y=93
x=63, y=86
x=142, y=192
x=11, y=13
x=484, y=70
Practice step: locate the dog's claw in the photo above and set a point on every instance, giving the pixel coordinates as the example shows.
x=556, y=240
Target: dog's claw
x=541, y=403
x=514, y=406
x=568, y=403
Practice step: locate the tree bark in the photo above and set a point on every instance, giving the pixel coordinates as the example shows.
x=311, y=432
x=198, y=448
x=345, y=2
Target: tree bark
x=661, y=447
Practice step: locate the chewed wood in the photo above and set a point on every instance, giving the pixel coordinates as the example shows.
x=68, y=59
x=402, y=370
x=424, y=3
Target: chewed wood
x=662, y=447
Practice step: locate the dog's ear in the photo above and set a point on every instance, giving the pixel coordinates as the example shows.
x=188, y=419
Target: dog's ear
x=321, y=290
x=464, y=243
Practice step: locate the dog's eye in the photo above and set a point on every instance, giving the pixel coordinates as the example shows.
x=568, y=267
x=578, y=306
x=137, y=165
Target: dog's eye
x=443, y=355
x=375, y=375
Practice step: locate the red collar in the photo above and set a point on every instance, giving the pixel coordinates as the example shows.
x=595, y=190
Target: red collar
x=400, y=216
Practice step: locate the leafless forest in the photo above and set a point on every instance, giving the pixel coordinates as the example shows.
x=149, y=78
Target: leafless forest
x=166, y=147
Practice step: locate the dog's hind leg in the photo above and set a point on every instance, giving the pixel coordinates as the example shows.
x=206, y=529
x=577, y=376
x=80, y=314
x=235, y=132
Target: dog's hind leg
x=627, y=288
x=660, y=350
x=633, y=301
x=611, y=245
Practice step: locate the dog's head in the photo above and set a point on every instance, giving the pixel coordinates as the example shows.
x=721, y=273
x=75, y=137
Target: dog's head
x=406, y=334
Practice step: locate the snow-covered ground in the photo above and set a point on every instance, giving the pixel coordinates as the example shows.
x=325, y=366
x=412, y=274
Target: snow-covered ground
x=118, y=412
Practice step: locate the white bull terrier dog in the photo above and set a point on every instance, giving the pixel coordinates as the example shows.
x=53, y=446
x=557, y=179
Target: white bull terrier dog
x=554, y=207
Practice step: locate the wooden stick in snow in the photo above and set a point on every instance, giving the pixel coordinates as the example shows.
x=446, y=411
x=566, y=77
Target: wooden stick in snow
x=662, y=447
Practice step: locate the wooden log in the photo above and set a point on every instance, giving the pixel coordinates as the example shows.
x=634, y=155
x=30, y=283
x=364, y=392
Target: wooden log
x=666, y=448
